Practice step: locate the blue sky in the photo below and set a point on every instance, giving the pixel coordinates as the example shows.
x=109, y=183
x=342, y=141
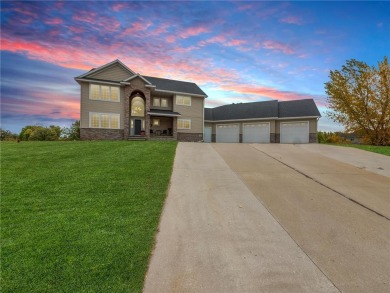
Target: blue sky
x=235, y=51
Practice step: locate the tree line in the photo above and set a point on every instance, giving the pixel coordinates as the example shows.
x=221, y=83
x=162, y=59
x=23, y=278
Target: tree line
x=42, y=133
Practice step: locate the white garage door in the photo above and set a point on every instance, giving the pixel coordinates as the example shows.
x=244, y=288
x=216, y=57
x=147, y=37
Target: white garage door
x=294, y=132
x=256, y=133
x=207, y=134
x=228, y=133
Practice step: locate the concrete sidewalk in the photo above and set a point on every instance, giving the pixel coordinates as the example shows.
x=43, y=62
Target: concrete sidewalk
x=215, y=236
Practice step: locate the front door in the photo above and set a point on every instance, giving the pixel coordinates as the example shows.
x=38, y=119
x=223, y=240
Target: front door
x=137, y=126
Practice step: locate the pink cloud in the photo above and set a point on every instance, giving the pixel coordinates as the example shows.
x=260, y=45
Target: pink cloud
x=119, y=6
x=26, y=12
x=53, y=21
x=137, y=27
x=222, y=40
x=110, y=24
x=276, y=46
x=193, y=31
x=170, y=39
x=291, y=20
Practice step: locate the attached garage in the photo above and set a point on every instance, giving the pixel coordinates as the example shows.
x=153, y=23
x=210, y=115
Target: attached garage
x=256, y=132
x=294, y=132
x=227, y=133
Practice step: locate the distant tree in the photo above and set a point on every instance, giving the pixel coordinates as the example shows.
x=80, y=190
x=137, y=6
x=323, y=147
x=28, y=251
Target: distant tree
x=72, y=132
x=359, y=98
x=36, y=132
x=7, y=135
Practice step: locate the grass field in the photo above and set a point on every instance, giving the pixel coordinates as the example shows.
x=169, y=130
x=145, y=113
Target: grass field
x=80, y=216
x=384, y=150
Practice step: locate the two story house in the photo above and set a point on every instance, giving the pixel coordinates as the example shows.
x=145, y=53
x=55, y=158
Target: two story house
x=117, y=103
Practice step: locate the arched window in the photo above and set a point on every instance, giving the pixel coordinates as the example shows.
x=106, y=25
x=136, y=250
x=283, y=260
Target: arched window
x=138, y=107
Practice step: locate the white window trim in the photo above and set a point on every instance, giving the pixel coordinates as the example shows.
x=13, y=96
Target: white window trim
x=183, y=104
x=189, y=122
x=109, y=120
x=100, y=93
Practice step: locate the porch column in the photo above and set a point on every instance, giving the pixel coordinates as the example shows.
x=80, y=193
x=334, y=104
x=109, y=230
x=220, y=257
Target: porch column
x=174, y=127
x=126, y=126
x=147, y=116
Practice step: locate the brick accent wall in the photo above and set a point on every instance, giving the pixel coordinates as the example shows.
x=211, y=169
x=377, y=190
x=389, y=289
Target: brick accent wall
x=213, y=138
x=240, y=138
x=101, y=134
x=272, y=137
x=313, y=138
x=194, y=137
x=277, y=137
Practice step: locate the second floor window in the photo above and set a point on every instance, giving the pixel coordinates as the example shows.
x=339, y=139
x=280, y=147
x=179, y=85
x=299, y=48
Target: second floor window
x=104, y=93
x=183, y=100
x=160, y=102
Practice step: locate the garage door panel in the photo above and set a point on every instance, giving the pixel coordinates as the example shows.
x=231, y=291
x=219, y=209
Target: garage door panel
x=228, y=133
x=256, y=133
x=294, y=132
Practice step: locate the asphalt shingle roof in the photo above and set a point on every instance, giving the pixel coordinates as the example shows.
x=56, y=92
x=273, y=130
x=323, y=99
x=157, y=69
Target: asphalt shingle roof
x=298, y=108
x=175, y=85
x=267, y=109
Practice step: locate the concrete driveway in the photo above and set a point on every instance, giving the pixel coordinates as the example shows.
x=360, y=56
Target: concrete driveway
x=271, y=218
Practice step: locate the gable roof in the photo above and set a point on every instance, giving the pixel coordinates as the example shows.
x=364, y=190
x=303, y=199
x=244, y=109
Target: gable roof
x=160, y=84
x=101, y=68
x=170, y=85
x=260, y=110
x=298, y=108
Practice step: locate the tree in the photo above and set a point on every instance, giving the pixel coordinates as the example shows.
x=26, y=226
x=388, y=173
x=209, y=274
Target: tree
x=35, y=132
x=359, y=98
x=7, y=135
x=72, y=132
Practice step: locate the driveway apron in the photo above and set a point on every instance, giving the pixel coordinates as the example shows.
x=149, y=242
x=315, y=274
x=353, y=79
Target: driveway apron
x=216, y=236
x=337, y=213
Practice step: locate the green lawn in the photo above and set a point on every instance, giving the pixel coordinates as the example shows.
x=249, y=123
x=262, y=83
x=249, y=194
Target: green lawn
x=384, y=150
x=80, y=216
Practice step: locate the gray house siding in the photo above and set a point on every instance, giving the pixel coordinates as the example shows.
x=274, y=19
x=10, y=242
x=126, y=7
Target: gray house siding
x=115, y=73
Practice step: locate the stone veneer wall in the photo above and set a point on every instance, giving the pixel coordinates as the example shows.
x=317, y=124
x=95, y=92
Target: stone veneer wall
x=136, y=85
x=277, y=137
x=313, y=138
x=101, y=134
x=194, y=137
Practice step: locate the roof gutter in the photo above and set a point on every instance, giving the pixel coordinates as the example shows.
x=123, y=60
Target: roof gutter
x=96, y=81
x=180, y=93
x=163, y=114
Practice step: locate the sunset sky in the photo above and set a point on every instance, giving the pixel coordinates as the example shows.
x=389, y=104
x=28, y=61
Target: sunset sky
x=235, y=51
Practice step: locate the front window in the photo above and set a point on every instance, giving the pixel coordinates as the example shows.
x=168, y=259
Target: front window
x=104, y=120
x=183, y=124
x=104, y=93
x=138, y=107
